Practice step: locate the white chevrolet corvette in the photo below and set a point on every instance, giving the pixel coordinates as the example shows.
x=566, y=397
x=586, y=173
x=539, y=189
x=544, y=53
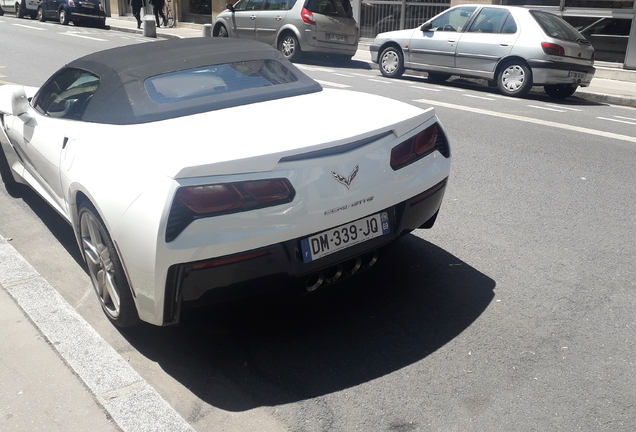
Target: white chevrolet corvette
x=206, y=169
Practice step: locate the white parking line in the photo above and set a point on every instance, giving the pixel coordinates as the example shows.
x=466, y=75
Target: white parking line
x=479, y=97
x=454, y=89
x=29, y=27
x=616, y=120
x=362, y=75
x=343, y=75
x=530, y=120
x=84, y=37
x=381, y=81
x=313, y=68
x=563, y=107
x=625, y=118
x=545, y=108
x=332, y=84
x=425, y=88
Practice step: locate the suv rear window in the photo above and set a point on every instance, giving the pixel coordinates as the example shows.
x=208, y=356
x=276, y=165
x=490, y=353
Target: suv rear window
x=555, y=27
x=339, y=8
x=216, y=79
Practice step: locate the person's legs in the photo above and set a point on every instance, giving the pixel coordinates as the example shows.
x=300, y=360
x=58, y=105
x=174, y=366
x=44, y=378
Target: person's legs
x=163, y=16
x=157, y=11
x=137, y=14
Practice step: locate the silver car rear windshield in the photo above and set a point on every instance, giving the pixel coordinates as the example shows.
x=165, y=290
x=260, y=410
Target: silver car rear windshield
x=555, y=27
x=216, y=79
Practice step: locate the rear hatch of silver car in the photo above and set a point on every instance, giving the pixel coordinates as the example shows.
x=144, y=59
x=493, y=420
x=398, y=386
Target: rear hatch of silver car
x=575, y=46
x=334, y=21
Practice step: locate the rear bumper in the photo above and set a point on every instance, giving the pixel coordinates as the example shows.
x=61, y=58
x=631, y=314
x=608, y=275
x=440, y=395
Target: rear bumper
x=280, y=266
x=549, y=72
x=308, y=43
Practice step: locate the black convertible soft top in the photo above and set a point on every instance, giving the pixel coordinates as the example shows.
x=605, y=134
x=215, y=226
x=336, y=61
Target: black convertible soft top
x=122, y=97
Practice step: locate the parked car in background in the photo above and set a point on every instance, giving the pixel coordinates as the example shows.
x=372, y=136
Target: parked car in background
x=20, y=8
x=515, y=47
x=183, y=188
x=292, y=26
x=76, y=11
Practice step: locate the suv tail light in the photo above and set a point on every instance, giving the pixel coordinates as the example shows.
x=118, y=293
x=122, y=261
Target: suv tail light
x=552, y=49
x=197, y=202
x=424, y=143
x=307, y=16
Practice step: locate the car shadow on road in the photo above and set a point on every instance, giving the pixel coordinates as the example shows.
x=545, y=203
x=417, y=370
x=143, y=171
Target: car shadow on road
x=276, y=350
x=333, y=61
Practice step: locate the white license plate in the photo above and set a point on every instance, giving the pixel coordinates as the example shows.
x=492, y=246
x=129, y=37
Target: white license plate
x=336, y=38
x=579, y=75
x=344, y=236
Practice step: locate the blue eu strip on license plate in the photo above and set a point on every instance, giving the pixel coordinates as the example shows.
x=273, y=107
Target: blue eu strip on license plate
x=344, y=236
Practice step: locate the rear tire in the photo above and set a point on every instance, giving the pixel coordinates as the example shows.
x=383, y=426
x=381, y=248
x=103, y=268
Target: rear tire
x=40, y=15
x=6, y=174
x=290, y=47
x=19, y=13
x=514, y=79
x=391, y=62
x=105, y=269
x=560, y=91
x=222, y=32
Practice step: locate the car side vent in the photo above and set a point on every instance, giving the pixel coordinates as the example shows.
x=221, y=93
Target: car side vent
x=335, y=150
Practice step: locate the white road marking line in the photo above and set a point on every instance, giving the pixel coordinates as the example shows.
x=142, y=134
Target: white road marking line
x=425, y=88
x=332, y=84
x=507, y=98
x=479, y=97
x=84, y=37
x=28, y=26
x=313, y=68
x=381, y=81
x=563, y=107
x=545, y=108
x=625, y=118
x=362, y=75
x=616, y=120
x=343, y=75
x=530, y=120
x=454, y=89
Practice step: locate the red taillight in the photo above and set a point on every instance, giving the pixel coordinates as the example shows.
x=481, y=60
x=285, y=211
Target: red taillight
x=415, y=147
x=552, y=49
x=231, y=197
x=211, y=198
x=266, y=191
x=71, y=3
x=307, y=16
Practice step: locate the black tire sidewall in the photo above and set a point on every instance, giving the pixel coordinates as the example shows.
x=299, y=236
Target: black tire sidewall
x=399, y=70
x=527, y=83
x=128, y=315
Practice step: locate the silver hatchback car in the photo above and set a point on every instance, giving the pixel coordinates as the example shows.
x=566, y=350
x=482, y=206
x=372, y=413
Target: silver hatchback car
x=292, y=26
x=513, y=47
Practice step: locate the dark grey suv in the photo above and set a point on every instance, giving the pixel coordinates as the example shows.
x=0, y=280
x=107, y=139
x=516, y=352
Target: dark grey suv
x=292, y=26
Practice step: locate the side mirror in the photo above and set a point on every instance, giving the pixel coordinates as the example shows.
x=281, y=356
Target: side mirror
x=230, y=7
x=20, y=104
x=426, y=27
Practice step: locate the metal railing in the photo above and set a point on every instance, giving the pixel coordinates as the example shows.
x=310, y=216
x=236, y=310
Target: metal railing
x=385, y=15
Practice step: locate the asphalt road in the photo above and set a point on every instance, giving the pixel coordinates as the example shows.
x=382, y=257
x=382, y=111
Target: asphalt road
x=514, y=313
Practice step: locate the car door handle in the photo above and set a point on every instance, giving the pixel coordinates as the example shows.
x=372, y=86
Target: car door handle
x=451, y=40
x=278, y=18
x=252, y=17
x=504, y=43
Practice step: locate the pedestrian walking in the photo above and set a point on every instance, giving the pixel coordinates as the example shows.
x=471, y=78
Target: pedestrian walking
x=136, y=9
x=157, y=8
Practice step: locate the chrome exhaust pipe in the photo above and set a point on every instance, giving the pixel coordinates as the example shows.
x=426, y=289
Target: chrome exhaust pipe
x=352, y=266
x=333, y=274
x=314, y=281
x=370, y=259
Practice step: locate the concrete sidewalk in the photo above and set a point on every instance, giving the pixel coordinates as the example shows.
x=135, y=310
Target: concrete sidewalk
x=611, y=85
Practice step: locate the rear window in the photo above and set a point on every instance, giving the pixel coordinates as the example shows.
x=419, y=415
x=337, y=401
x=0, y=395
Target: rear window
x=217, y=79
x=339, y=8
x=555, y=27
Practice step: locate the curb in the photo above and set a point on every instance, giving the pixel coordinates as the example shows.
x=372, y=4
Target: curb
x=133, y=404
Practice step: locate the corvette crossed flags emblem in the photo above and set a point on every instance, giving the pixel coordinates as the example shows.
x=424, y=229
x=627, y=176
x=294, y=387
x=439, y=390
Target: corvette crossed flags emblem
x=346, y=181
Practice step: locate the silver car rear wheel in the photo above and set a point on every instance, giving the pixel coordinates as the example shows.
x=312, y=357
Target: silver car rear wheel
x=105, y=270
x=63, y=17
x=222, y=32
x=289, y=47
x=515, y=79
x=391, y=62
